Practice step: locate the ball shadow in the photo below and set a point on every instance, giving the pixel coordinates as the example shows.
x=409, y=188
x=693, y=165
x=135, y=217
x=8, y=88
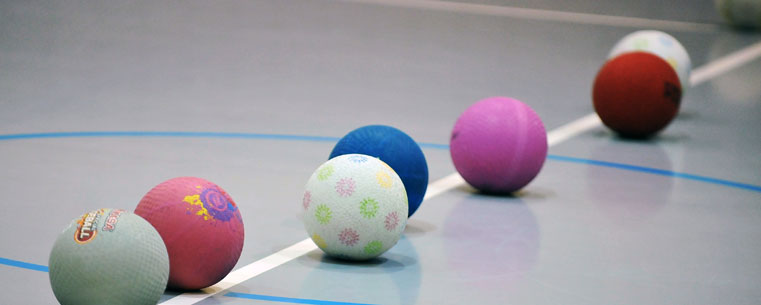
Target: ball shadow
x=393, y=277
x=526, y=192
x=327, y=259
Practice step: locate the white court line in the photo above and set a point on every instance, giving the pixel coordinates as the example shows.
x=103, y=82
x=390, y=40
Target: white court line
x=442, y=185
x=245, y=273
x=438, y=187
x=724, y=64
x=570, y=130
x=546, y=15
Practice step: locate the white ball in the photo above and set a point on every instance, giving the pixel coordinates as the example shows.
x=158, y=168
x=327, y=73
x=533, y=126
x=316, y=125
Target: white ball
x=661, y=44
x=354, y=207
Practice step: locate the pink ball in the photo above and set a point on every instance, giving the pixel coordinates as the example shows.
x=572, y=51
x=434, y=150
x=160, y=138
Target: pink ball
x=201, y=227
x=498, y=145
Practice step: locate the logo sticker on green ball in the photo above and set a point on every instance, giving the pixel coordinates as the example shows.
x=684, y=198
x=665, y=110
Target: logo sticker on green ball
x=87, y=227
x=112, y=219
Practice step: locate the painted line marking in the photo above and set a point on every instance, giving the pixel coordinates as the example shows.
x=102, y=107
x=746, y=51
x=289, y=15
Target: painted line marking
x=305, y=246
x=435, y=188
x=656, y=171
x=286, y=300
x=245, y=273
x=570, y=130
x=545, y=15
x=25, y=265
x=447, y=183
x=164, y=134
x=182, y=134
x=441, y=186
x=559, y=135
x=725, y=64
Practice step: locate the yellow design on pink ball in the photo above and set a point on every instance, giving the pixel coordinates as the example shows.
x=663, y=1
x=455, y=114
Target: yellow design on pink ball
x=195, y=200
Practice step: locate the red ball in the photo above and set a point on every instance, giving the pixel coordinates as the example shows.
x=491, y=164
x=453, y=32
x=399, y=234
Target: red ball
x=201, y=227
x=636, y=94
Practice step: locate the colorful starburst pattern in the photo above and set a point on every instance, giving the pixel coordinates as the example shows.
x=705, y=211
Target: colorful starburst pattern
x=373, y=247
x=392, y=220
x=196, y=206
x=348, y=237
x=368, y=207
x=325, y=172
x=323, y=214
x=384, y=179
x=641, y=44
x=345, y=187
x=358, y=159
x=319, y=241
x=665, y=40
x=307, y=199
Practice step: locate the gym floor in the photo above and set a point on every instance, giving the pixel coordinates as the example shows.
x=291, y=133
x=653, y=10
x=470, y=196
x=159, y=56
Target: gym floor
x=100, y=101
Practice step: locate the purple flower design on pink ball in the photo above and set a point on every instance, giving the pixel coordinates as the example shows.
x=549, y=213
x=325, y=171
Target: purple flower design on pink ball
x=218, y=204
x=348, y=237
x=345, y=187
x=392, y=220
x=307, y=199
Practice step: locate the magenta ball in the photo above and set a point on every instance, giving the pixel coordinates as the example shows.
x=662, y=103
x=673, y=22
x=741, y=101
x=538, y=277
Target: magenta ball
x=201, y=227
x=498, y=145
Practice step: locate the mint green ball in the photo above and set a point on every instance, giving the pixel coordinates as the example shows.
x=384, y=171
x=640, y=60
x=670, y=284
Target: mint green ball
x=109, y=256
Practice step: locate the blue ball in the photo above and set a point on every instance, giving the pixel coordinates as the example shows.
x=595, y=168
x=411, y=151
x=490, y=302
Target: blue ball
x=397, y=149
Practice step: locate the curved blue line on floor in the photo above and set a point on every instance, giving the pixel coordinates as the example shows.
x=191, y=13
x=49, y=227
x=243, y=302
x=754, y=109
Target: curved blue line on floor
x=656, y=171
x=164, y=134
x=285, y=300
x=111, y=134
x=36, y=267
x=24, y=265
x=239, y=135
x=182, y=134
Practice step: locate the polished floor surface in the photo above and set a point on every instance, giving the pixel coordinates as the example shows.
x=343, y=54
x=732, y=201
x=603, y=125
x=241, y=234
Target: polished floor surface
x=100, y=101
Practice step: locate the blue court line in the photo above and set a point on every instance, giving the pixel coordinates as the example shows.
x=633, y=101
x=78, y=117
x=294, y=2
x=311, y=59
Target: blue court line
x=181, y=134
x=656, y=171
x=285, y=300
x=164, y=134
x=30, y=266
x=238, y=135
x=434, y=145
x=20, y=264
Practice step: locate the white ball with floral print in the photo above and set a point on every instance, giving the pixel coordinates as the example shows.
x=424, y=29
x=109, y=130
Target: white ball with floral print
x=354, y=207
